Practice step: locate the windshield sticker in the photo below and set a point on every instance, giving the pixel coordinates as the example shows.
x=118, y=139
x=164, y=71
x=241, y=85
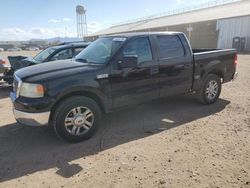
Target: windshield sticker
x=119, y=39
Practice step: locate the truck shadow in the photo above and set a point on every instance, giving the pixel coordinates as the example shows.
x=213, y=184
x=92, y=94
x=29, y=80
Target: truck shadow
x=28, y=150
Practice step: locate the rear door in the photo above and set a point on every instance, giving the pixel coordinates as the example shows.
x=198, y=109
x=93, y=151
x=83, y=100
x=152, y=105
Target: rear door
x=139, y=84
x=175, y=65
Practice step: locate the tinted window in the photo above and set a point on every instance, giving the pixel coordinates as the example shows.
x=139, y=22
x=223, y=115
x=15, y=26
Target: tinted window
x=170, y=46
x=139, y=47
x=63, y=54
x=78, y=50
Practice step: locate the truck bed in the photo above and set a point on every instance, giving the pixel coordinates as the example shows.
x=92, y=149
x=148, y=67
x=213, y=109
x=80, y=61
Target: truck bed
x=200, y=50
x=220, y=62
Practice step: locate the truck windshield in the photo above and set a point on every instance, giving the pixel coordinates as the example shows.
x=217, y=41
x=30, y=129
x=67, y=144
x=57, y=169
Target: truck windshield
x=100, y=51
x=42, y=56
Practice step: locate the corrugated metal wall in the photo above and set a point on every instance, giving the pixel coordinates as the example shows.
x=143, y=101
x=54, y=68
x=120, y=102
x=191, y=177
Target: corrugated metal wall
x=234, y=27
x=203, y=35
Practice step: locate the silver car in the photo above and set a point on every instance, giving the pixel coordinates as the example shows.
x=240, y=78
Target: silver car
x=15, y=49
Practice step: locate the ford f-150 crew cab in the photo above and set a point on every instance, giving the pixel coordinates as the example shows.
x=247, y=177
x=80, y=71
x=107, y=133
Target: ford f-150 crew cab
x=113, y=72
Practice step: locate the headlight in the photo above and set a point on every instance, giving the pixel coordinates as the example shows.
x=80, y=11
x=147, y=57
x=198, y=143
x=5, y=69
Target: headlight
x=31, y=90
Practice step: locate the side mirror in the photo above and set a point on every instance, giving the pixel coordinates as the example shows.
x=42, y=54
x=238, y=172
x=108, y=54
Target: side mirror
x=129, y=61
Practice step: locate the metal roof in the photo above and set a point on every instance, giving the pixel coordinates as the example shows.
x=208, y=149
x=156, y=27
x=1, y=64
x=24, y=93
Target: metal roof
x=236, y=9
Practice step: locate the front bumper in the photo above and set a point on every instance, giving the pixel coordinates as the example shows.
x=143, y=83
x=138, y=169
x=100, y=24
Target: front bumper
x=32, y=119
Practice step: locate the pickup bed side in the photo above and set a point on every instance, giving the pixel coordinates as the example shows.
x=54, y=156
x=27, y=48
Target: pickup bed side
x=218, y=62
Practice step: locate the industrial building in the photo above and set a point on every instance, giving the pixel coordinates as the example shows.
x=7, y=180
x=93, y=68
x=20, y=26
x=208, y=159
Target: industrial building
x=216, y=24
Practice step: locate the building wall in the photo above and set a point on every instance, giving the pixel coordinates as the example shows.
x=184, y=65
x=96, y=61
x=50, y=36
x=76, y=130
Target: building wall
x=212, y=34
x=203, y=34
x=234, y=27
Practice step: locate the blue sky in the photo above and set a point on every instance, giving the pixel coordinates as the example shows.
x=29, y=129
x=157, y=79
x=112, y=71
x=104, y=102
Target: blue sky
x=27, y=19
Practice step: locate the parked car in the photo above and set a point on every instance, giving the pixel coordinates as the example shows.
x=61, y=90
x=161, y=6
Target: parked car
x=33, y=49
x=113, y=72
x=4, y=67
x=15, y=49
x=60, y=52
x=1, y=50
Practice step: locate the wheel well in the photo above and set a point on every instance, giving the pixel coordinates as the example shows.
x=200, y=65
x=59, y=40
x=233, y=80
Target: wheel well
x=79, y=93
x=218, y=73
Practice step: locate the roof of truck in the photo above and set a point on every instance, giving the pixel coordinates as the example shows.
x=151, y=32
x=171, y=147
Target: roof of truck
x=133, y=34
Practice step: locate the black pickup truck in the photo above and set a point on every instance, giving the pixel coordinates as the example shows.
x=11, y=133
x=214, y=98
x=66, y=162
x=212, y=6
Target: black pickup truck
x=113, y=72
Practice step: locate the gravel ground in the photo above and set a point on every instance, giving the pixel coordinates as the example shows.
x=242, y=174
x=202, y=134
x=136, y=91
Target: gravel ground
x=174, y=142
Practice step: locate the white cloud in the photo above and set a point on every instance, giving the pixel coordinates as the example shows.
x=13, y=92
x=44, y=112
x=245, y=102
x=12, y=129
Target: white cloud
x=66, y=19
x=54, y=21
x=35, y=33
x=59, y=20
x=15, y=33
x=94, y=27
x=147, y=10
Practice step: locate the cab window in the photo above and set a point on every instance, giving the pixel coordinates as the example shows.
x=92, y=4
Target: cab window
x=170, y=46
x=63, y=54
x=141, y=48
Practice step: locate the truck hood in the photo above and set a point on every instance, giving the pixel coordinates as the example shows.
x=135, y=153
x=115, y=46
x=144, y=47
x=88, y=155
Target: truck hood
x=53, y=70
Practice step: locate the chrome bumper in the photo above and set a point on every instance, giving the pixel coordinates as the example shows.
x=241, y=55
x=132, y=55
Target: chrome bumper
x=235, y=76
x=32, y=119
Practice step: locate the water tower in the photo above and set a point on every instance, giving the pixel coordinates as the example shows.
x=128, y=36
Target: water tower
x=81, y=22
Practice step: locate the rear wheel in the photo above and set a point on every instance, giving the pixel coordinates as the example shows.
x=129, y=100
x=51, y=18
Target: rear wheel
x=76, y=119
x=211, y=89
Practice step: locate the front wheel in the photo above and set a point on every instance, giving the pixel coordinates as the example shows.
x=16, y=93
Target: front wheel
x=211, y=89
x=76, y=119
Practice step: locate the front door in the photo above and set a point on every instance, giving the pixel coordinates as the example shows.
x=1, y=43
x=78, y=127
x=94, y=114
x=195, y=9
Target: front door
x=138, y=84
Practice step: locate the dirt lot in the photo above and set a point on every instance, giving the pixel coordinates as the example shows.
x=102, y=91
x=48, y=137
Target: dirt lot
x=23, y=53
x=169, y=143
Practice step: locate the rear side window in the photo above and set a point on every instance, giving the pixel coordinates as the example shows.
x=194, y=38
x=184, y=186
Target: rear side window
x=170, y=47
x=139, y=47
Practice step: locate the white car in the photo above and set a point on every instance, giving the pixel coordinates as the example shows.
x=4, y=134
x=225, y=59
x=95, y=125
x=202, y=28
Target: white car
x=1, y=49
x=33, y=49
x=15, y=49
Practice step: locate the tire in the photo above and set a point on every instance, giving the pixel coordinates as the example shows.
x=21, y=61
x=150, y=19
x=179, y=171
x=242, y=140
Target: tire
x=209, y=94
x=76, y=119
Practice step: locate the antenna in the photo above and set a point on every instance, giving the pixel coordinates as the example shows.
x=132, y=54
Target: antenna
x=81, y=22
